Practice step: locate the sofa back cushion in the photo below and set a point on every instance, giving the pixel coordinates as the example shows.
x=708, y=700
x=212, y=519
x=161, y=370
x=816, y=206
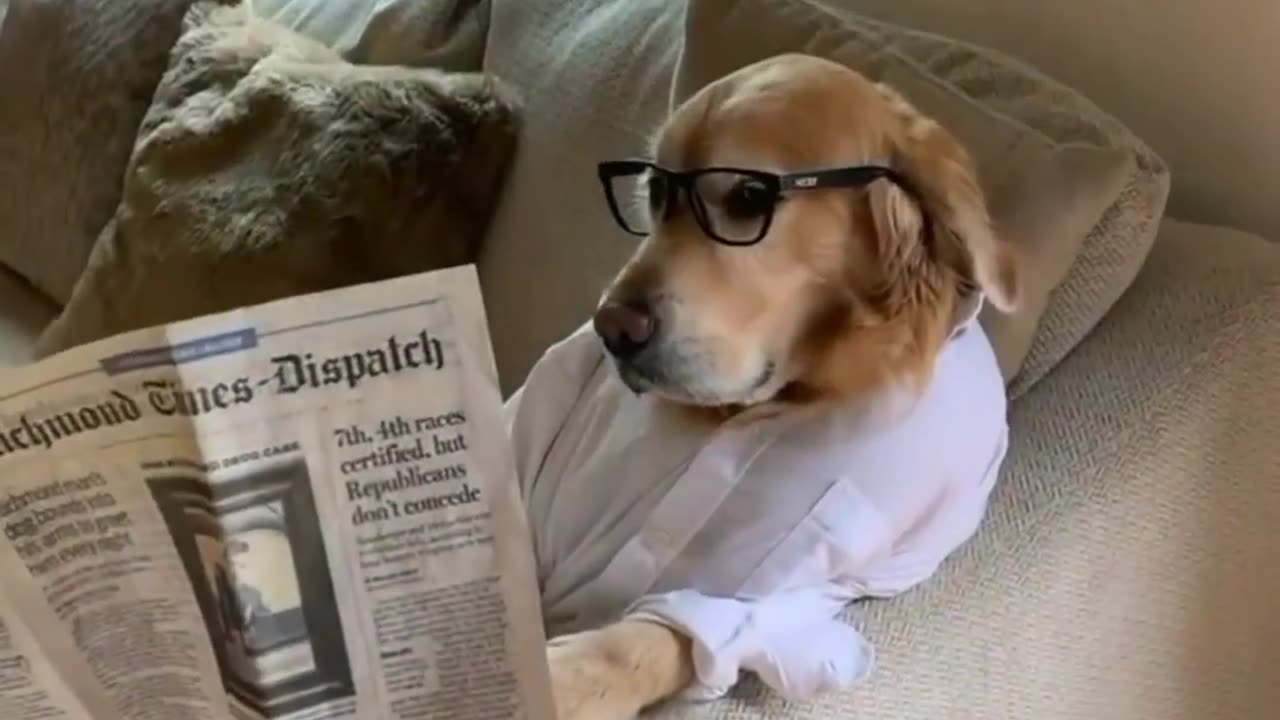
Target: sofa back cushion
x=1187, y=77
x=76, y=77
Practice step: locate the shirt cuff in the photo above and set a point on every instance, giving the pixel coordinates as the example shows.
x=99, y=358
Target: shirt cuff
x=793, y=640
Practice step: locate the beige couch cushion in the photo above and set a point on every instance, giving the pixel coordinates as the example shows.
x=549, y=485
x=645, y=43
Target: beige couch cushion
x=593, y=74
x=76, y=77
x=1193, y=79
x=1125, y=570
x=24, y=312
x=268, y=167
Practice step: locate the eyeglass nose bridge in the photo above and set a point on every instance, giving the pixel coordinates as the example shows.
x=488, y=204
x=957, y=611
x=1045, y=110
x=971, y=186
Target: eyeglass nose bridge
x=676, y=183
x=686, y=183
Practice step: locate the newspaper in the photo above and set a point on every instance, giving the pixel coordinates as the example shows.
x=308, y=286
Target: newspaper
x=303, y=510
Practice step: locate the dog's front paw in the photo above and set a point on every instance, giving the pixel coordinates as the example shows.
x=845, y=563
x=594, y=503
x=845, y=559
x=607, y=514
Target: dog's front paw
x=586, y=680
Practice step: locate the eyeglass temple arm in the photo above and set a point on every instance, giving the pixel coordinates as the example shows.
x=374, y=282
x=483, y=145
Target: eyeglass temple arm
x=844, y=177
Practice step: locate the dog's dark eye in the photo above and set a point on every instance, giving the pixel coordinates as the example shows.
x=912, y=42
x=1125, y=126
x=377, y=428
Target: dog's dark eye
x=748, y=199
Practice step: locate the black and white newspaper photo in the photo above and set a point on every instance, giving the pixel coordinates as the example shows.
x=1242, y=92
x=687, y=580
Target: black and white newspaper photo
x=302, y=510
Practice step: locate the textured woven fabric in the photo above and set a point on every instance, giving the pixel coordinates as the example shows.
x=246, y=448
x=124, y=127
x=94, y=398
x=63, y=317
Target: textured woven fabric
x=1127, y=566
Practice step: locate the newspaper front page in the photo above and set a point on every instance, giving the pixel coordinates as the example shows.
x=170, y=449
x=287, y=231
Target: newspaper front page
x=303, y=510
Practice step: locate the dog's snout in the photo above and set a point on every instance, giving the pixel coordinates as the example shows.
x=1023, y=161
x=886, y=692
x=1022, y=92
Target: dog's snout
x=625, y=328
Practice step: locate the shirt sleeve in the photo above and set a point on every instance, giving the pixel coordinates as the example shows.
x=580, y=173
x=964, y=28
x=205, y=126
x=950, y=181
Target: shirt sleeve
x=794, y=641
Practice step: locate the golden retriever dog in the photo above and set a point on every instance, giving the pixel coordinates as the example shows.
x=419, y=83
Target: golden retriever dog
x=809, y=240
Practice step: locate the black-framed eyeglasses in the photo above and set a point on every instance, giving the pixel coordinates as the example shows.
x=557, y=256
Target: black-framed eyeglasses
x=733, y=206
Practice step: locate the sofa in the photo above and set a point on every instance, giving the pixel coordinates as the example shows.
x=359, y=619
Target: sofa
x=1127, y=568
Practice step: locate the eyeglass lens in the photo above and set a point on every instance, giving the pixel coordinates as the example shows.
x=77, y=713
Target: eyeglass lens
x=730, y=206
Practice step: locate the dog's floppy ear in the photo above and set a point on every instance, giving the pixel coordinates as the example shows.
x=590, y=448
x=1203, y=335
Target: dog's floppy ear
x=944, y=193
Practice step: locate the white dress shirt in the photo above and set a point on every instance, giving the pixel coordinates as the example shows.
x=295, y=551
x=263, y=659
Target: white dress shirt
x=751, y=537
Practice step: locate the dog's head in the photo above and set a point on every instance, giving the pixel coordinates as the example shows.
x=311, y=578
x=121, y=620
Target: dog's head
x=747, y=288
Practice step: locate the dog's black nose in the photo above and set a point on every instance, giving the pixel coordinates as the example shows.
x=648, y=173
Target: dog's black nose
x=625, y=328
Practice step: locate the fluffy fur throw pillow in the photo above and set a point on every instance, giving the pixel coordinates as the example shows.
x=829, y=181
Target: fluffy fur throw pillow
x=267, y=166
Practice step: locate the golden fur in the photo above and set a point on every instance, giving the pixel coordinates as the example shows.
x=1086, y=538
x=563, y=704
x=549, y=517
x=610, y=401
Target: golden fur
x=852, y=291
